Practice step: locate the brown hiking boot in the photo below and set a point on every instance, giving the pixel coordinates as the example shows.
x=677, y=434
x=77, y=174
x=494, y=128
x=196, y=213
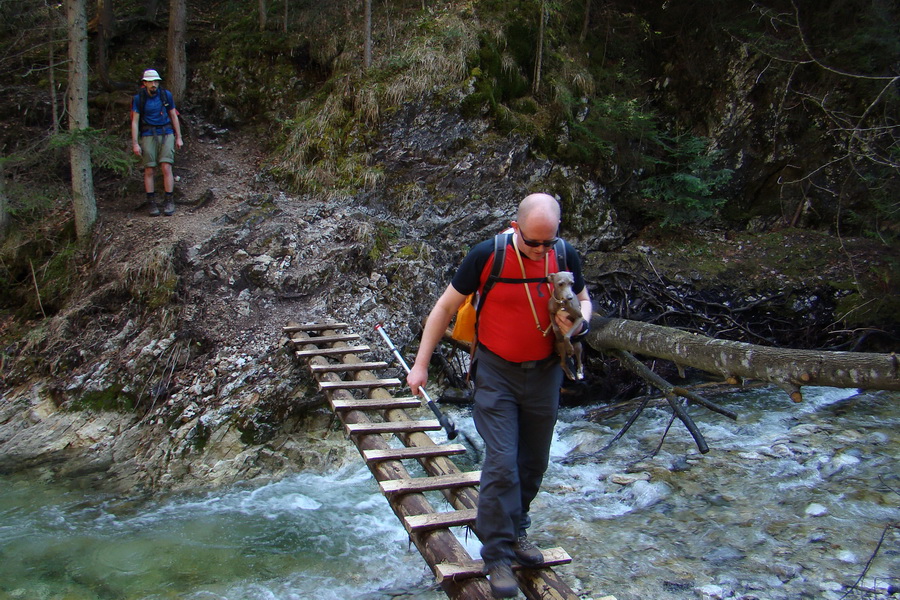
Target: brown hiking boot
x=527, y=553
x=169, y=208
x=154, y=208
x=503, y=582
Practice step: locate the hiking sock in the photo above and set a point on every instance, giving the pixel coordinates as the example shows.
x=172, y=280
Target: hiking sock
x=151, y=200
x=169, y=208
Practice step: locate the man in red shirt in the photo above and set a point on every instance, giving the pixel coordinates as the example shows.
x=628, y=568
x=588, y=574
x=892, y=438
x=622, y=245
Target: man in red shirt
x=517, y=377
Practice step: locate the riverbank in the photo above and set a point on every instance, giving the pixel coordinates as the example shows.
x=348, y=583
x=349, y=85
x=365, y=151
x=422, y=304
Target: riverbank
x=790, y=503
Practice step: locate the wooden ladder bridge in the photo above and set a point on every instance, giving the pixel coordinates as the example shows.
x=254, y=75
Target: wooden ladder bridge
x=344, y=377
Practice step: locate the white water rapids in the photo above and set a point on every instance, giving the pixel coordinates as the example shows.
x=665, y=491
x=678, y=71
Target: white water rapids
x=791, y=502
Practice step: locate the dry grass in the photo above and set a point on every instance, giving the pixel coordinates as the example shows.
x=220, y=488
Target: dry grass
x=152, y=278
x=578, y=77
x=318, y=150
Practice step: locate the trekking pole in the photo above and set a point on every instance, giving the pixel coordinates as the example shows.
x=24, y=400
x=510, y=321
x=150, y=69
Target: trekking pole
x=443, y=419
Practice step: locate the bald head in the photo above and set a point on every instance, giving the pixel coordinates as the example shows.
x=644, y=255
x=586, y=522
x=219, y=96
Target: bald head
x=540, y=208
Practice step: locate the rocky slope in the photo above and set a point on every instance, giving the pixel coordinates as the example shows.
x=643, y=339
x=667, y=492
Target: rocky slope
x=169, y=369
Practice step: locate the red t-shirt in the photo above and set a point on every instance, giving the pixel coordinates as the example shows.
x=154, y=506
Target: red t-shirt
x=506, y=324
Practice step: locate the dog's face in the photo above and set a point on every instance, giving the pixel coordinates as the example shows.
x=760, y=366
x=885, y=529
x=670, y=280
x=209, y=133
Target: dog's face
x=561, y=280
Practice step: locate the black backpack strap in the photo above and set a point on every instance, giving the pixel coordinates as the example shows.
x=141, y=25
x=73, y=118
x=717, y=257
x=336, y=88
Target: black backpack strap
x=142, y=106
x=501, y=242
x=560, y=249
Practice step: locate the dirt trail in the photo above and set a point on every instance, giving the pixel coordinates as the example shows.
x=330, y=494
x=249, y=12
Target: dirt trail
x=212, y=178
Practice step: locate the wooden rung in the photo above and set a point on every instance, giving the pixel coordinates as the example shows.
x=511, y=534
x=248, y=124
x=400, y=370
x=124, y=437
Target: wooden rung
x=443, y=571
x=338, y=368
x=413, y=452
x=329, y=339
x=375, y=404
x=429, y=484
x=313, y=327
x=358, y=385
x=443, y=520
x=392, y=427
x=332, y=351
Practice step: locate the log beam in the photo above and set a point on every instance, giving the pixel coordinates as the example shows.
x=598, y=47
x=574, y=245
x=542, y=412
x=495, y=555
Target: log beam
x=788, y=368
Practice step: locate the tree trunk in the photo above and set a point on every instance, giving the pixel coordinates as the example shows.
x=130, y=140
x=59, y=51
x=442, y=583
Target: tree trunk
x=104, y=31
x=585, y=21
x=151, y=7
x=539, y=52
x=4, y=203
x=177, y=77
x=263, y=20
x=80, y=152
x=51, y=80
x=367, y=51
x=787, y=368
x=286, y=3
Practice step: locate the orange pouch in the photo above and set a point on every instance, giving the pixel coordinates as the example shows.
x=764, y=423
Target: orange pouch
x=464, y=327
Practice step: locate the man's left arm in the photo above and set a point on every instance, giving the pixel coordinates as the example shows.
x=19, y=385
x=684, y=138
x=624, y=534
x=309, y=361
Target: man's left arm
x=584, y=298
x=176, y=126
x=587, y=310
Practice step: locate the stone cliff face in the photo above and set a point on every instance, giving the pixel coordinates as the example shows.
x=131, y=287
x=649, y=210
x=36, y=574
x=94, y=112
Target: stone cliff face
x=185, y=380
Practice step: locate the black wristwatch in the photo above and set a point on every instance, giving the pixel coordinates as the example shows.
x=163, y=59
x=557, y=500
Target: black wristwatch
x=585, y=329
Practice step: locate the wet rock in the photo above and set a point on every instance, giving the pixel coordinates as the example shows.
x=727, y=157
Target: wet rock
x=838, y=463
x=815, y=510
x=628, y=478
x=714, y=592
x=681, y=464
x=723, y=554
x=677, y=585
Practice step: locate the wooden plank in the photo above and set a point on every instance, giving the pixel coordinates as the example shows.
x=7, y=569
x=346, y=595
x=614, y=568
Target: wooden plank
x=413, y=452
x=375, y=404
x=358, y=385
x=456, y=518
x=329, y=339
x=392, y=427
x=313, y=327
x=331, y=351
x=338, y=368
x=443, y=571
x=429, y=484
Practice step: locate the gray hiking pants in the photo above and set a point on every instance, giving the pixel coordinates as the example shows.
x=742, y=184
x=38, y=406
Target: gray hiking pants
x=515, y=412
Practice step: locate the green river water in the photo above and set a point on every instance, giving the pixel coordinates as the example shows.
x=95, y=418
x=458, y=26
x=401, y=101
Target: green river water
x=791, y=502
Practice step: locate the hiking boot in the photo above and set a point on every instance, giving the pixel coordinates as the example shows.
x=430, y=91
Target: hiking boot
x=527, y=553
x=169, y=208
x=503, y=582
x=154, y=208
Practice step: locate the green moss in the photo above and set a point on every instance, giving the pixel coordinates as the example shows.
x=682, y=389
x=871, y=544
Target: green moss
x=381, y=240
x=409, y=252
x=199, y=436
x=111, y=398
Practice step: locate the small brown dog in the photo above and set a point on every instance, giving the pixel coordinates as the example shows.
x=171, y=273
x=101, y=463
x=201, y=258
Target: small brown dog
x=563, y=299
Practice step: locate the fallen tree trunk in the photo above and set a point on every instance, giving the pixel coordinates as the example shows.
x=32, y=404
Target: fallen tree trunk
x=735, y=361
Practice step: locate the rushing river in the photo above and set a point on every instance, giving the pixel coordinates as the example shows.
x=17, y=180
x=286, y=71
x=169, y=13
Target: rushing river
x=791, y=502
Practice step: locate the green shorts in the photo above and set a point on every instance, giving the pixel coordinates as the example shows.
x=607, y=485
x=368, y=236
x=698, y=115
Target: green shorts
x=157, y=149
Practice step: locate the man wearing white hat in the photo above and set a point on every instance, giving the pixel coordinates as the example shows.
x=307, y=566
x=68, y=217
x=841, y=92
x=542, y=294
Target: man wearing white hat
x=155, y=134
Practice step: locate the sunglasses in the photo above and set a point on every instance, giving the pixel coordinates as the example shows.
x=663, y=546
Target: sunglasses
x=537, y=244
